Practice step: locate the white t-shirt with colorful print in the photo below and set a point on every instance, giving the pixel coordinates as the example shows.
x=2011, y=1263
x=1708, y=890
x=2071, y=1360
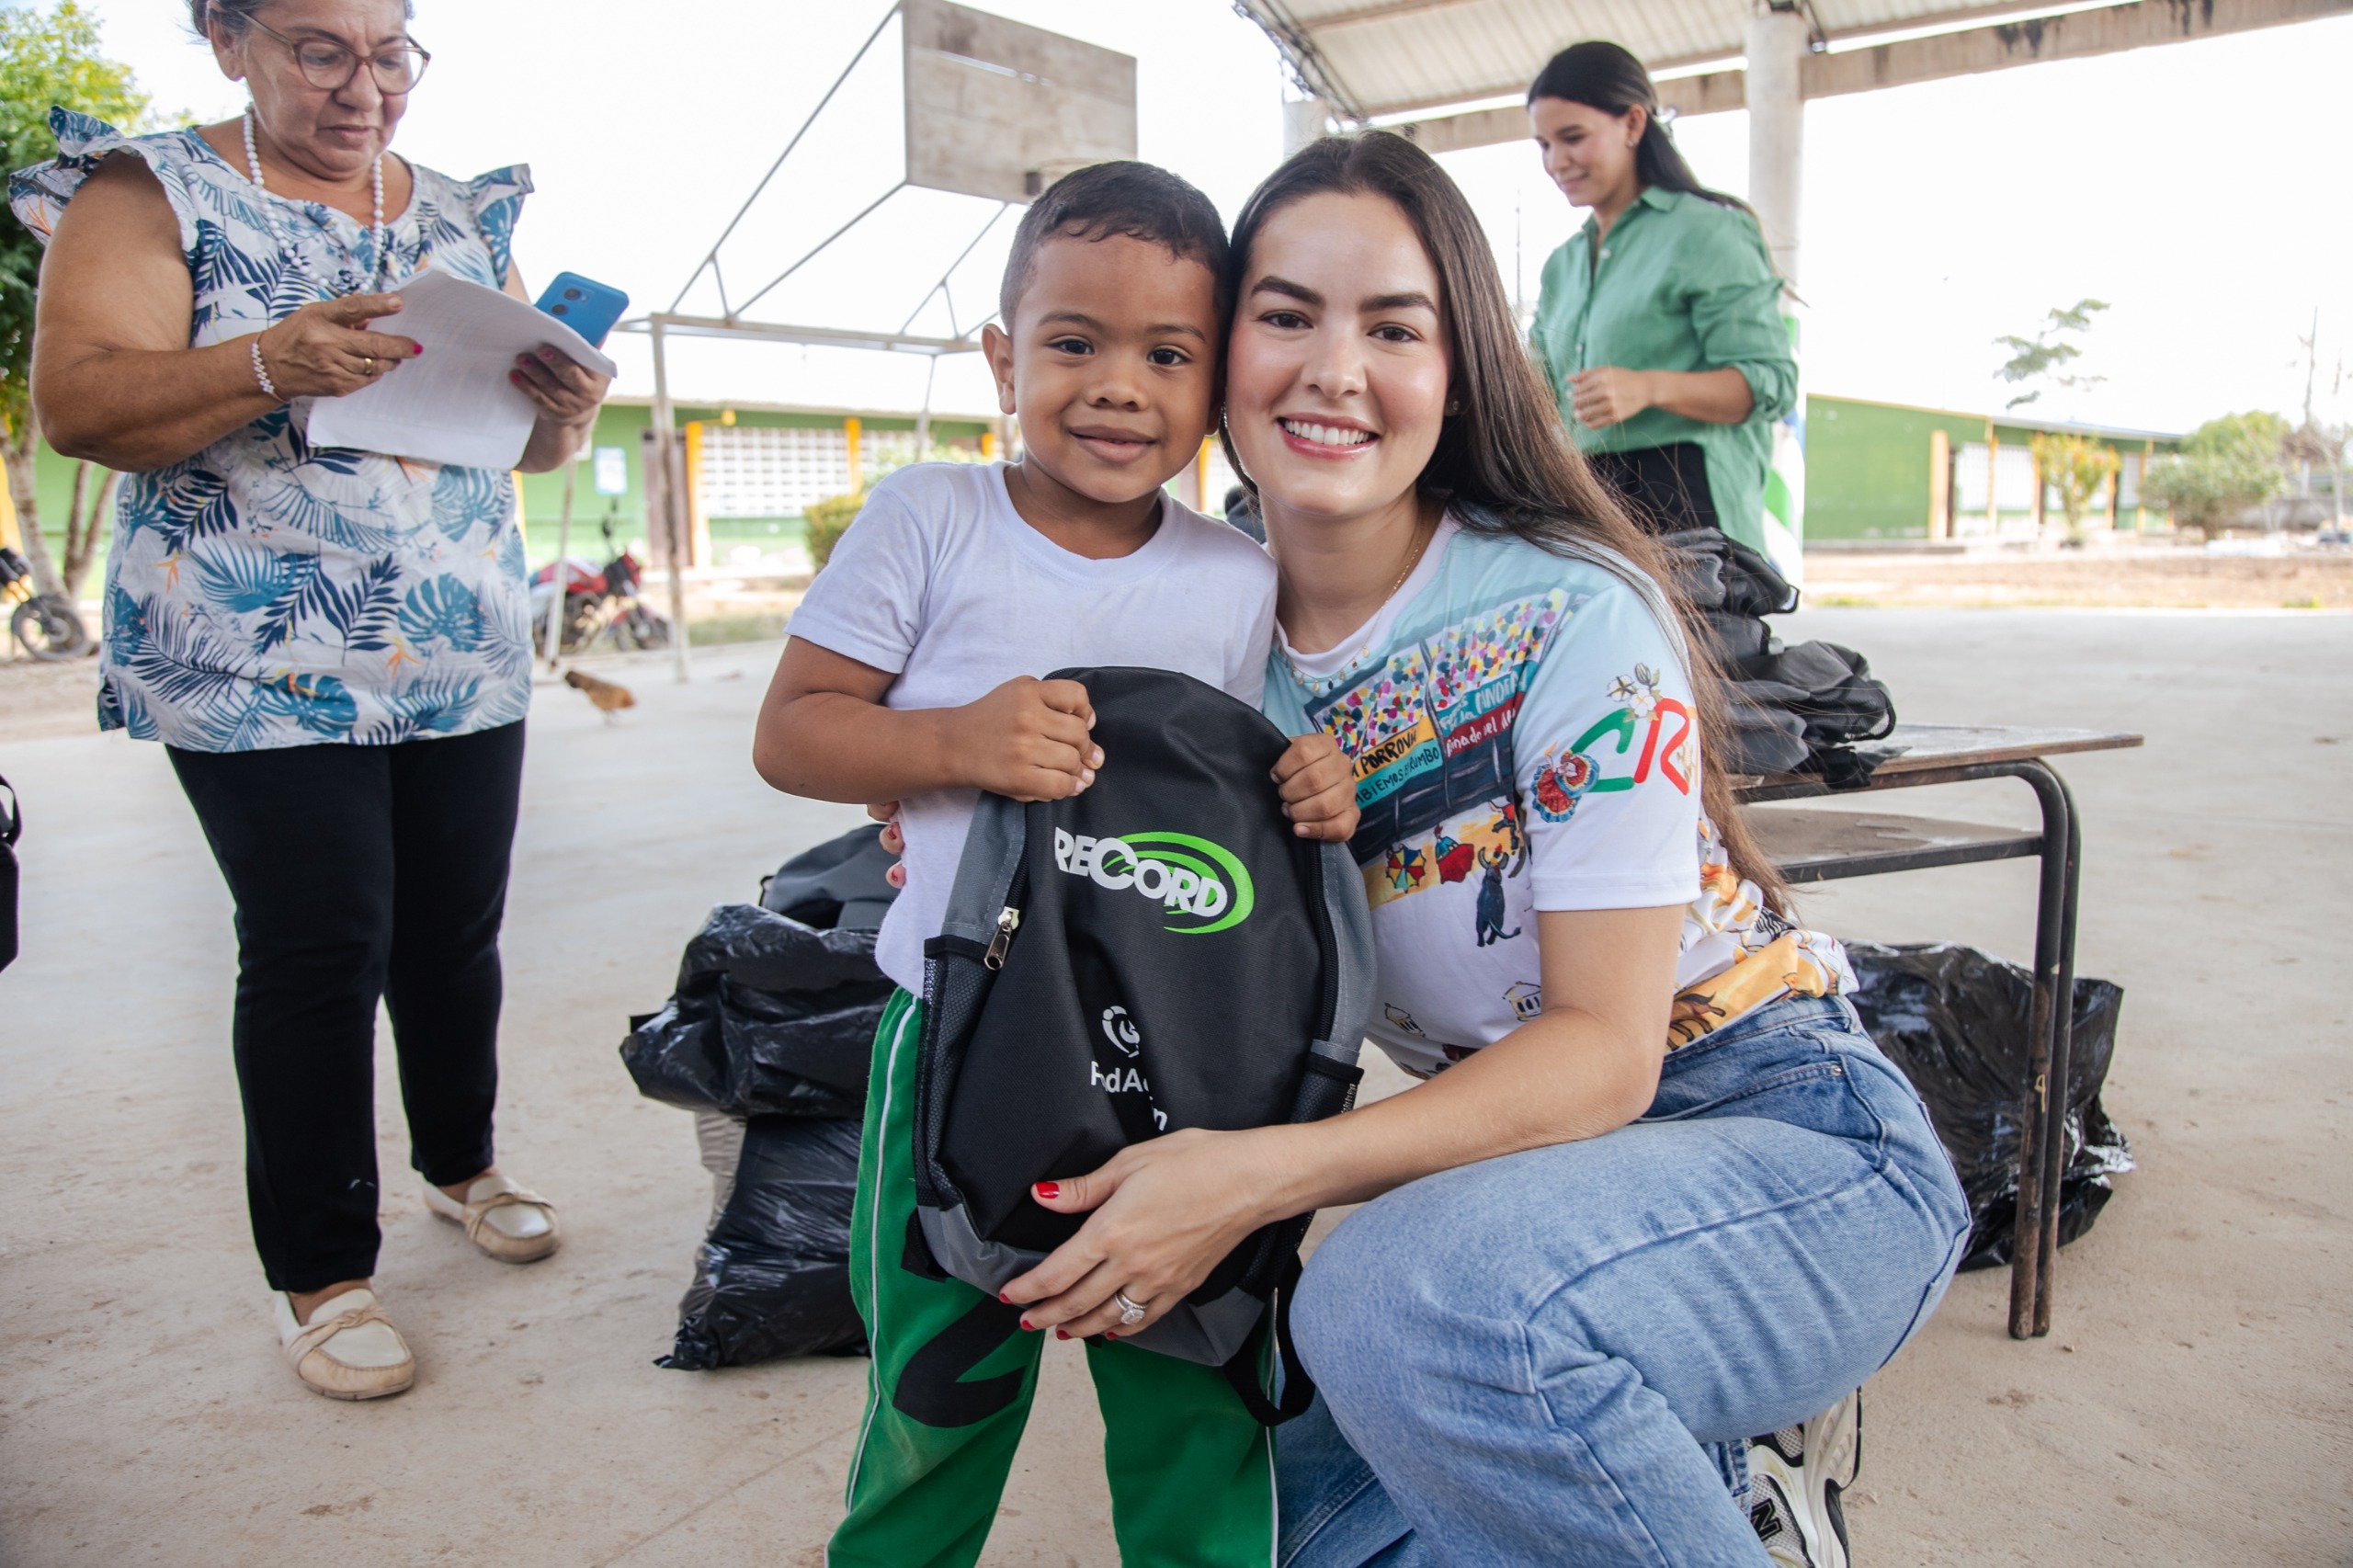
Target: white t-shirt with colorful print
x=1524, y=738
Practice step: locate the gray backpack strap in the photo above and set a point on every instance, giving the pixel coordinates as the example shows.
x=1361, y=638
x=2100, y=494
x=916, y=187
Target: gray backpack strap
x=993, y=849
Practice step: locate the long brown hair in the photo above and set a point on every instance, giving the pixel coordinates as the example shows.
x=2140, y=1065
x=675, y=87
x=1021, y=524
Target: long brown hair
x=1504, y=464
x=1607, y=76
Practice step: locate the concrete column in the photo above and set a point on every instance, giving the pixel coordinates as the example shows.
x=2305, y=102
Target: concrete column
x=1777, y=49
x=1304, y=120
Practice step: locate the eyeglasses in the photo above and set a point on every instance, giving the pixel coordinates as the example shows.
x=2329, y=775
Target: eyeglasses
x=330, y=65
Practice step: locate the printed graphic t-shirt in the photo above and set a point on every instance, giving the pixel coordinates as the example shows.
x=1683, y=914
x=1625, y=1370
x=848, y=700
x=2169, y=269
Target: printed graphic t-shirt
x=1524, y=740
x=941, y=583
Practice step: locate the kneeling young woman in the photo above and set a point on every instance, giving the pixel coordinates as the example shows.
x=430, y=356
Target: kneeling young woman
x=1660, y=1190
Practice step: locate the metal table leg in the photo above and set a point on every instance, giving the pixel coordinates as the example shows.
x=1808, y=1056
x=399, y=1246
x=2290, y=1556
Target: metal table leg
x=2062, y=1039
x=2050, y=1024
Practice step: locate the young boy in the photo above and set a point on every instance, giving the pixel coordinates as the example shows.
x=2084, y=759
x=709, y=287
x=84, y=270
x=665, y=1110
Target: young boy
x=911, y=676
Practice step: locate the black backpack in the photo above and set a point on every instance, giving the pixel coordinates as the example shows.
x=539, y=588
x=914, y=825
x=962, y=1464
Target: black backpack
x=1159, y=952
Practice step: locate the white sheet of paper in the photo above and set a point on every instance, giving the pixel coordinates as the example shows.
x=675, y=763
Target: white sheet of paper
x=452, y=404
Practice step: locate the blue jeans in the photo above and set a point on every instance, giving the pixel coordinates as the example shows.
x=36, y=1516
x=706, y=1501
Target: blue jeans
x=1521, y=1359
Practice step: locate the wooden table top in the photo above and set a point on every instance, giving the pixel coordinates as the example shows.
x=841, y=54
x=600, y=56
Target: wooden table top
x=1927, y=748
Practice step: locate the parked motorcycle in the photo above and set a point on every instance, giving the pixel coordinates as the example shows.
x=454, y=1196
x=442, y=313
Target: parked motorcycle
x=45, y=625
x=596, y=603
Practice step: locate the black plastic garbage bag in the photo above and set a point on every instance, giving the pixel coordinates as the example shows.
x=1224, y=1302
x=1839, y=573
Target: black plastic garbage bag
x=773, y=1279
x=770, y=1017
x=1954, y=1019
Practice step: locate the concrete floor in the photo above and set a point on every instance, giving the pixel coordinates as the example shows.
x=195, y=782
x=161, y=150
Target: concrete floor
x=2193, y=1406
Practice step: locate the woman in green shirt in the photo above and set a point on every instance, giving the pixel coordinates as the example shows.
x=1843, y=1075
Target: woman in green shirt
x=1659, y=326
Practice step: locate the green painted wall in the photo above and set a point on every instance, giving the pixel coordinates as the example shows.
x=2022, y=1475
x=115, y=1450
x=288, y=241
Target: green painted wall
x=624, y=425
x=619, y=425
x=1867, y=467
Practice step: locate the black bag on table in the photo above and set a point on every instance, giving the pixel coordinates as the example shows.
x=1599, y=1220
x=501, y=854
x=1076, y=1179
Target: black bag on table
x=1829, y=686
x=1159, y=952
x=1717, y=572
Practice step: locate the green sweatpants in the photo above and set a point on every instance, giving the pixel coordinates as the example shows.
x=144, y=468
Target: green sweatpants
x=1191, y=1472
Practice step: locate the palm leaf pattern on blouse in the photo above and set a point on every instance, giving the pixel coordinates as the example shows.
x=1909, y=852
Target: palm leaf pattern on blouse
x=266, y=592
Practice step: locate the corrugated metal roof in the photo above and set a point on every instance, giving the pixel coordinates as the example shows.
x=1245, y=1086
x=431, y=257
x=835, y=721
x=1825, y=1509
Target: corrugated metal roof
x=1377, y=57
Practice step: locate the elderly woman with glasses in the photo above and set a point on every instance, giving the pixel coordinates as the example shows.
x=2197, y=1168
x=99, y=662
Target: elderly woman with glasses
x=331, y=645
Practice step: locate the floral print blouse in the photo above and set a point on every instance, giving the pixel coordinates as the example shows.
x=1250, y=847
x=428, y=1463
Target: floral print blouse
x=268, y=593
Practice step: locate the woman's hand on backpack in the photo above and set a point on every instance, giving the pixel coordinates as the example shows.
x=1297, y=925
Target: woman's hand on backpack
x=1164, y=1212
x=1028, y=739
x=1318, y=789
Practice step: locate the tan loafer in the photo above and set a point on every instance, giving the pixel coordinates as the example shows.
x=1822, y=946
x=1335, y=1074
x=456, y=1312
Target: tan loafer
x=511, y=1223
x=349, y=1349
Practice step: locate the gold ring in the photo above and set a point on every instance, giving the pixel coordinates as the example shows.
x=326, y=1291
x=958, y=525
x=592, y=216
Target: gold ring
x=371, y=364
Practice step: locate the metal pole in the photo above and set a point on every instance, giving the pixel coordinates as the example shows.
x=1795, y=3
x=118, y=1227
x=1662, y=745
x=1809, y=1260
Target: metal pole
x=923, y=420
x=1777, y=47
x=1305, y=120
x=665, y=446
x=562, y=543
x=812, y=250
x=2042, y=1120
x=710, y=258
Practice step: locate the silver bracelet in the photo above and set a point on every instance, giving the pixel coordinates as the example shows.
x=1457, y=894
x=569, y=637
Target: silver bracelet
x=260, y=374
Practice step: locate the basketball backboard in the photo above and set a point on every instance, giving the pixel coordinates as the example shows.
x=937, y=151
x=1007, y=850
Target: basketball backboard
x=1000, y=109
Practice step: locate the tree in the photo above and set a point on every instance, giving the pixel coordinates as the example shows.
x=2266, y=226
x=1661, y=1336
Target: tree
x=2224, y=466
x=2316, y=441
x=2042, y=357
x=2317, y=444
x=45, y=58
x=2076, y=466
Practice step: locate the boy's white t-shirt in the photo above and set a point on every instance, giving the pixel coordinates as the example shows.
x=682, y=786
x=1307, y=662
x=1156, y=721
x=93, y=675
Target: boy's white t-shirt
x=941, y=583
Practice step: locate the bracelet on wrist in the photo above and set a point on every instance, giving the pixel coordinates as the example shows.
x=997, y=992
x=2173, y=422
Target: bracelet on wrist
x=260, y=373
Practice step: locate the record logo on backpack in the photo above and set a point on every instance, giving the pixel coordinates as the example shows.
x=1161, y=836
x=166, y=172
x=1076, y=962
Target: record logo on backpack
x=1188, y=876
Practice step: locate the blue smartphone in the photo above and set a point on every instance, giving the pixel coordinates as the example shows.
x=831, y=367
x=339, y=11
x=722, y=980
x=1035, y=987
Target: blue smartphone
x=587, y=307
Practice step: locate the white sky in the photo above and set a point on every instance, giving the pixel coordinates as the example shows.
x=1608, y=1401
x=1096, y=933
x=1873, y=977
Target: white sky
x=2200, y=188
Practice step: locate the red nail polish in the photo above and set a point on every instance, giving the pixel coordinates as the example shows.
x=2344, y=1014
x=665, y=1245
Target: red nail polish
x=1027, y=1324
x=1061, y=1334
x=1049, y=1190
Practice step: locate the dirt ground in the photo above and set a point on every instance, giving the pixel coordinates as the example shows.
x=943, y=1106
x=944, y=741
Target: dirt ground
x=2191, y=1408
x=2118, y=577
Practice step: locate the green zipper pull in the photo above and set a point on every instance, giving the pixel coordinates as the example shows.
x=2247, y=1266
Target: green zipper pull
x=1008, y=919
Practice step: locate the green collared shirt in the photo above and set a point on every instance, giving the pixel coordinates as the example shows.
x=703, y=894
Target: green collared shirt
x=1682, y=283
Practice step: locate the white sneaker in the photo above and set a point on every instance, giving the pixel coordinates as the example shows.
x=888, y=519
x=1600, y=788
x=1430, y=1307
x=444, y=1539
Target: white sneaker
x=349, y=1349
x=1795, y=1477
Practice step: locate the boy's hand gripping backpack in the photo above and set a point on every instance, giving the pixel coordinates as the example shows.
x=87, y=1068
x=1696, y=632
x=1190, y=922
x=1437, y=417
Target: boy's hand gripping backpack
x=1159, y=952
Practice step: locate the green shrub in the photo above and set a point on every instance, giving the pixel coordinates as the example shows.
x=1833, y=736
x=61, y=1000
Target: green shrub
x=828, y=520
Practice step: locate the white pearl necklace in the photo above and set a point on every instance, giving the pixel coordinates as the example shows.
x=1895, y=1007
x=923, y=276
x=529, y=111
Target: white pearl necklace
x=294, y=253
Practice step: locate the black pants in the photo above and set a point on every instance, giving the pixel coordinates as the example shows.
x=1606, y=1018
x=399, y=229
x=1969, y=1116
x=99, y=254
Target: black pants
x=359, y=873
x=1666, y=488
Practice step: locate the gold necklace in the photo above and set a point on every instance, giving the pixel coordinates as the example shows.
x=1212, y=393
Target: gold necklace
x=1413, y=559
